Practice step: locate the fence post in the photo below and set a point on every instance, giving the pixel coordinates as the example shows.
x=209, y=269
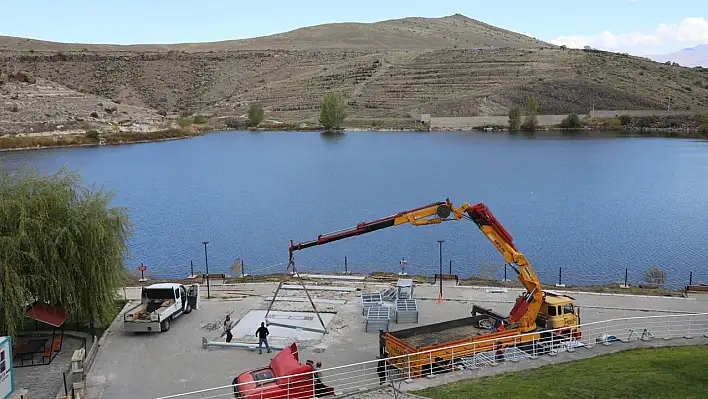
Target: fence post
x=345, y=265
x=430, y=355
x=560, y=276
x=288, y=386
x=626, y=274
x=514, y=358
x=690, y=278
x=474, y=355
x=409, y=368
x=688, y=333
x=550, y=352
x=505, y=273
x=452, y=359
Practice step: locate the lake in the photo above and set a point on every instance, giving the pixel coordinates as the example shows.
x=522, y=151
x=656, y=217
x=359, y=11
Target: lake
x=594, y=206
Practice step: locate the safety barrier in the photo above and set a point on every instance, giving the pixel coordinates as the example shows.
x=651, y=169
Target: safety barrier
x=368, y=375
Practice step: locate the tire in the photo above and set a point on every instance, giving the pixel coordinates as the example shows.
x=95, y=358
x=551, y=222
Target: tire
x=165, y=326
x=188, y=309
x=237, y=395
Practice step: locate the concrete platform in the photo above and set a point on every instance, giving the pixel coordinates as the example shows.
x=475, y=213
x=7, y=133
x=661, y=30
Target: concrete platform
x=245, y=329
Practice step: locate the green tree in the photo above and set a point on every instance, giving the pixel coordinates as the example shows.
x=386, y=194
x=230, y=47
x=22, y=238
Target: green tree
x=515, y=119
x=531, y=113
x=60, y=243
x=572, y=122
x=332, y=114
x=655, y=276
x=256, y=113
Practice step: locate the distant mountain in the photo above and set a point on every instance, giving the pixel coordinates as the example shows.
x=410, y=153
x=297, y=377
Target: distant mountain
x=689, y=57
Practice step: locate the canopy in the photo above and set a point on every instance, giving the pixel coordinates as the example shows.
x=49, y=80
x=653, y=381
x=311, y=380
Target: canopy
x=54, y=316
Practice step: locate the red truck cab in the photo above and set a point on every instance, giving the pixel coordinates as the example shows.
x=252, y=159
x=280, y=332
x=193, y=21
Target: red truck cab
x=284, y=378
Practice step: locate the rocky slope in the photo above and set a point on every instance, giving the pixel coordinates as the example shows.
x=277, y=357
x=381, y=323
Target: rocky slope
x=451, y=66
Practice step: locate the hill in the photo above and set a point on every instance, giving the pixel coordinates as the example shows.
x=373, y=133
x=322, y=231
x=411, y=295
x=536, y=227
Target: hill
x=689, y=57
x=384, y=77
x=406, y=33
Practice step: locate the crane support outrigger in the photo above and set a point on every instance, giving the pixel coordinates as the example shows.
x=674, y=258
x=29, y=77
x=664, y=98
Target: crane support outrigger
x=527, y=307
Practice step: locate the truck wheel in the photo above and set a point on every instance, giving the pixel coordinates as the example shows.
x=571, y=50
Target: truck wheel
x=165, y=326
x=188, y=309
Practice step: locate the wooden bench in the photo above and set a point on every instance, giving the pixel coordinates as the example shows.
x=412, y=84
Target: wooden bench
x=697, y=289
x=56, y=346
x=447, y=277
x=212, y=276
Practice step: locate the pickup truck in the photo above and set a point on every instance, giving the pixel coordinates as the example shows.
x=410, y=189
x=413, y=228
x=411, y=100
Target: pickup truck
x=160, y=304
x=284, y=378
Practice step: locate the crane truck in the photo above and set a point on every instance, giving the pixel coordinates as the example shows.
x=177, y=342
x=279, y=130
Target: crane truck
x=535, y=317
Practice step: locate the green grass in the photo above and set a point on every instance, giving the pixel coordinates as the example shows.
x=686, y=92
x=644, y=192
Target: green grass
x=641, y=373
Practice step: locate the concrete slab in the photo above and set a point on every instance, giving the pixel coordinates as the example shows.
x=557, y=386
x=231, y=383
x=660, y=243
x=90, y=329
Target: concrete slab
x=318, y=288
x=333, y=277
x=245, y=328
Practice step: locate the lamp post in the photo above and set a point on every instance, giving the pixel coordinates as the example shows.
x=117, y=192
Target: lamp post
x=206, y=263
x=441, y=271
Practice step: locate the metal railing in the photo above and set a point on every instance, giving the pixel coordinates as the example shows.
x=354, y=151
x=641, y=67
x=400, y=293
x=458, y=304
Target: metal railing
x=368, y=375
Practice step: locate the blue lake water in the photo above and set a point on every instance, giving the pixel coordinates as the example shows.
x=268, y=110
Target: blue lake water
x=593, y=206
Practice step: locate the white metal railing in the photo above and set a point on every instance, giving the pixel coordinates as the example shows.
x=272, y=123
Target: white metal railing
x=364, y=375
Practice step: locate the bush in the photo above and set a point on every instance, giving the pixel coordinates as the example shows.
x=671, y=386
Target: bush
x=572, y=122
x=615, y=123
x=655, y=276
x=514, y=119
x=184, y=122
x=233, y=123
x=625, y=120
x=332, y=114
x=92, y=134
x=255, y=114
x=531, y=111
x=199, y=120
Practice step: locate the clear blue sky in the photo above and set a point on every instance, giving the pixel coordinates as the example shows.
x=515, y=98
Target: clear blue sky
x=158, y=21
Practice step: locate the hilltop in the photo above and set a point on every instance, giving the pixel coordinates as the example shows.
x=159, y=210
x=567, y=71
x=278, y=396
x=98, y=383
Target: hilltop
x=387, y=71
x=398, y=34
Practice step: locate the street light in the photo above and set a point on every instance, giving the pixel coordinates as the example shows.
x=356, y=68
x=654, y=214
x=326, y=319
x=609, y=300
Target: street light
x=441, y=272
x=206, y=263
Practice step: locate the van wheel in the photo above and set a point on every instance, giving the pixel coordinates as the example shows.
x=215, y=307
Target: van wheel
x=165, y=326
x=188, y=309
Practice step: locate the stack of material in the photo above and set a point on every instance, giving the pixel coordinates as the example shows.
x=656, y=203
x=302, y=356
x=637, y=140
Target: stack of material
x=369, y=299
x=389, y=294
x=406, y=311
x=377, y=318
x=404, y=289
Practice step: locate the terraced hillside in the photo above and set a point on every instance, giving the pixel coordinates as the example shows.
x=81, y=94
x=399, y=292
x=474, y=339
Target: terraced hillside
x=497, y=70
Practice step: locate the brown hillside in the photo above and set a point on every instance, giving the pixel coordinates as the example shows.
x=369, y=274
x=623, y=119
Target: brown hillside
x=379, y=84
x=407, y=33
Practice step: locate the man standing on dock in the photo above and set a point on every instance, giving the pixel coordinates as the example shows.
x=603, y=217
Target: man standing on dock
x=262, y=334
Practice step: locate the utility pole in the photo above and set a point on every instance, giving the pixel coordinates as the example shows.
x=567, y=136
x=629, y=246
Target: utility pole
x=441, y=272
x=206, y=263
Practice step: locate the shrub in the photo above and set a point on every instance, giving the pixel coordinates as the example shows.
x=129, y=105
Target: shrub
x=199, y=120
x=531, y=111
x=655, y=276
x=184, y=122
x=332, y=114
x=514, y=119
x=255, y=114
x=233, y=123
x=572, y=122
x=625, y=120
x=92, y=134
x=615, y=123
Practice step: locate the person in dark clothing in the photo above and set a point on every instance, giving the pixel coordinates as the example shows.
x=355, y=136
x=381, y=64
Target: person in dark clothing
x=381, y=368
x=262, y=334
x=228, y=324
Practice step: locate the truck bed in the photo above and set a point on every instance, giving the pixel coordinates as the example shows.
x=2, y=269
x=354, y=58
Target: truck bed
x=440, y=333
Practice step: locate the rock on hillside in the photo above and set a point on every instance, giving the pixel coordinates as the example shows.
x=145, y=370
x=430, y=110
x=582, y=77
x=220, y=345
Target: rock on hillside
x=45, y=106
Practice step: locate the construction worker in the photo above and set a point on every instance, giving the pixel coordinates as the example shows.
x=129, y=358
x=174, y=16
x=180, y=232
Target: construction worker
x=381, y=368
x=228, y=324
x=262, y=334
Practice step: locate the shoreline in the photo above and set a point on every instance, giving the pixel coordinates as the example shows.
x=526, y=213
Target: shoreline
x=631, y=132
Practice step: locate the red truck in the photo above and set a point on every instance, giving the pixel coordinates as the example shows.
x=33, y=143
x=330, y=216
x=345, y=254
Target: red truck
x=284, y=378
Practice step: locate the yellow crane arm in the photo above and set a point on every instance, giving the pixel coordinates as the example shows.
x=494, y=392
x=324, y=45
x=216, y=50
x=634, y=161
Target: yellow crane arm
x=527, y=306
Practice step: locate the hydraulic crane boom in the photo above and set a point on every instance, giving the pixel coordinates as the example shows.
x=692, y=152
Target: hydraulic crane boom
x=527, y=306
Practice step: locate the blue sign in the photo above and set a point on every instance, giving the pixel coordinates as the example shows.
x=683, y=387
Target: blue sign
x=6, y=377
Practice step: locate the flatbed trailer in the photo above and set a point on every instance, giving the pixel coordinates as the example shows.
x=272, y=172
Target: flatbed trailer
x=435, y=345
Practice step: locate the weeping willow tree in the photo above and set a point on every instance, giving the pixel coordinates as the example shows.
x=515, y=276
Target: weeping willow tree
x=60, y=243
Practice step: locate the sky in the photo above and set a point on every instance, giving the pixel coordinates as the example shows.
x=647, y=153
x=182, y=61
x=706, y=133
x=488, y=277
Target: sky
x=635, y=26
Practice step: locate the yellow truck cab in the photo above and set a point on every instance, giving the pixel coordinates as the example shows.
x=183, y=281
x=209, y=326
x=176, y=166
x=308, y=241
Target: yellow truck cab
x=558, y=311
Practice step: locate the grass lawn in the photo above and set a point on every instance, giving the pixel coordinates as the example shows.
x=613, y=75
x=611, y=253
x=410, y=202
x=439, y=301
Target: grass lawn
x=641, y=373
